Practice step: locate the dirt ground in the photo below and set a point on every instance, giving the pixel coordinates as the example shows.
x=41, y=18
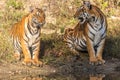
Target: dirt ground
x=13, y=71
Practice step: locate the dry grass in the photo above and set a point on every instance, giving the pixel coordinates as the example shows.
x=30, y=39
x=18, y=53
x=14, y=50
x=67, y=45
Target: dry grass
x=6, y=48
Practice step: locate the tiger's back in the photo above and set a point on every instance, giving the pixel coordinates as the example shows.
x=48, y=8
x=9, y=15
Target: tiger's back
x=75, y=38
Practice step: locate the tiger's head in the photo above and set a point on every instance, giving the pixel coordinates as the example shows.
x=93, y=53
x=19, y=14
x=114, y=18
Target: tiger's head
x=85, y=12
x=37, y=17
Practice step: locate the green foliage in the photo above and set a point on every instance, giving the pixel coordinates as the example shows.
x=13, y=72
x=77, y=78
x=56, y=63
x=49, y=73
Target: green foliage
x=104, y=5
x=10, y=17
x=62, y=29
x=111, y=12
x=14, y=15
x=77, y=2
x=15, y=4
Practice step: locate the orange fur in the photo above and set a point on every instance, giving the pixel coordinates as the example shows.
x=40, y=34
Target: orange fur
x=18, y=29
x=26, y=39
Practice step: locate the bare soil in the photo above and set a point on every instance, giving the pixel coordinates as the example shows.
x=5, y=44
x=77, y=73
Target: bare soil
x=13, y=71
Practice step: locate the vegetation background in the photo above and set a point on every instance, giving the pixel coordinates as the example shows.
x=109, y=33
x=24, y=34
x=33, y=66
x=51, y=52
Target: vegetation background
x=59, y=16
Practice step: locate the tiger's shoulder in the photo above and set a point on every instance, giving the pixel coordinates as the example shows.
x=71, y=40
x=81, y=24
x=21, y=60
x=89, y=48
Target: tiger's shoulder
x=17, y=29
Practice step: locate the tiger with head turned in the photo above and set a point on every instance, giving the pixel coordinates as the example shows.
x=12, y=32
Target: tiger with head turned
x=89, y=34
x=26, y=36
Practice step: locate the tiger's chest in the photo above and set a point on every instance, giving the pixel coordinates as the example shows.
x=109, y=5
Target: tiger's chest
x=31, y=35
x=32, y=39
x=96, y=33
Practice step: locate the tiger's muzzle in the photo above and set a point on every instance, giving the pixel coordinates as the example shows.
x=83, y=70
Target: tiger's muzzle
x=39, y=25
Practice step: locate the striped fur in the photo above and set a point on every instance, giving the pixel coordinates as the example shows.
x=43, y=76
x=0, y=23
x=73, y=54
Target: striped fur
x=26, y=36
x=90, y=32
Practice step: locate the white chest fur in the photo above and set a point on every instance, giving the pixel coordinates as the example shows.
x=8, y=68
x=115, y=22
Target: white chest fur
x=32, y=39
x=96, y=32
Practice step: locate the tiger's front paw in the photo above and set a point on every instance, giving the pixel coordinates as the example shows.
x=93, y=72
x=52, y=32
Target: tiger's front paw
x=101, y=61
x=27, y=62
x=93, y=61
x=37, y=63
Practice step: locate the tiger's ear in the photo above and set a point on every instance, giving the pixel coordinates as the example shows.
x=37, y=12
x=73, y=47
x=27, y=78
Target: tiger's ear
x=31, y=9
x=87, y=5
x=44, y=8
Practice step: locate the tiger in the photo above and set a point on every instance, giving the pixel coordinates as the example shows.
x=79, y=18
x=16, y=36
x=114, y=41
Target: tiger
x=90, y=32
x=26, y=36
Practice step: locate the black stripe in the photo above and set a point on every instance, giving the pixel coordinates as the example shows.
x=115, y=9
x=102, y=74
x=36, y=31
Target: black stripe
x=95, y=48
x=77, y=40
x=17, y=45
x=31, y=51
x=103, y=33
x=100, y=41
x=37, y=41
x=82, y=45
x=90, y=38
x=68, y=42
x=13, y=41
x=100, y=27
x=102, y=19
x=37, y=32
x=38, y=37
x=25, y=40
x=29, y=29
x=70, y=39
x=26, y=36
x=96, y=20
x=83, y=40
x=98, y=44
x=34, y=47
x=91, y=33
x=103, y=38
x=92, y=27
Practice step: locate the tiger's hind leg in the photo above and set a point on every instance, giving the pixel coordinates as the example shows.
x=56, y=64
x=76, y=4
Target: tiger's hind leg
x=100, y=51
x=17, y=55
x=17, y=51
x=35, y=55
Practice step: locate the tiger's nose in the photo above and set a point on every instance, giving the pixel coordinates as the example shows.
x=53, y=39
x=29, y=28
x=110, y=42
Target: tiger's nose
x=42, y=23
